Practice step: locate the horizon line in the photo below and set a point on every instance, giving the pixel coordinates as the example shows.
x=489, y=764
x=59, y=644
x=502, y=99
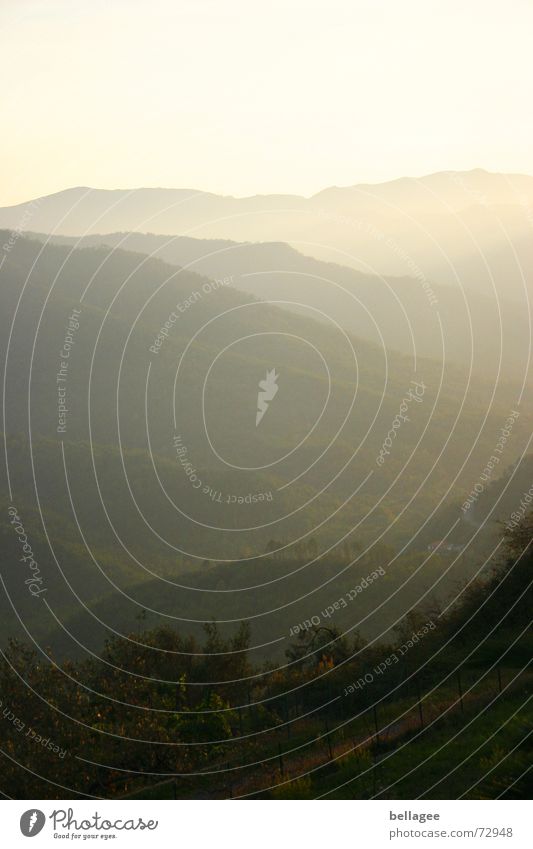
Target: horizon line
x=425, y=176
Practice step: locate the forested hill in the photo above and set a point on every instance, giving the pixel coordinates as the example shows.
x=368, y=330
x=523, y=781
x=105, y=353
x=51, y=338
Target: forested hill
x=112, y=406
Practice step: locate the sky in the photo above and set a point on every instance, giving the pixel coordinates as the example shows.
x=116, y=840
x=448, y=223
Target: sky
x=246, y=97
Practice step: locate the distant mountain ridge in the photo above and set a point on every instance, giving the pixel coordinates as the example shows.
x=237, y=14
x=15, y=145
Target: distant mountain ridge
x=401, y=313
x=460, y=228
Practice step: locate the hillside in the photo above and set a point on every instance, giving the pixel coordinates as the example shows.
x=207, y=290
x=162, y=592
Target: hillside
x=442, y=710
x=470, y=229
x=410, y=314
x=106, y=489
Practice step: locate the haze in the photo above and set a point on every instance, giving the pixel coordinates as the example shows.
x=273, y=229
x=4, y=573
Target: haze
x=221, y=98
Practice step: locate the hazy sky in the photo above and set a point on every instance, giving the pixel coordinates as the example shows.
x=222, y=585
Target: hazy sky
x=247, y=96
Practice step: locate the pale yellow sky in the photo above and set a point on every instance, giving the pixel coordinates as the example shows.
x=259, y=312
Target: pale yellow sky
x=247, y=96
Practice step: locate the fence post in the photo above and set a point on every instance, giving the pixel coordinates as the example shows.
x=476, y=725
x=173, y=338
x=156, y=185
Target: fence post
x=460, y=690
x=375, y=712
x=229, y=782
x=420, y=711
x=328, y=737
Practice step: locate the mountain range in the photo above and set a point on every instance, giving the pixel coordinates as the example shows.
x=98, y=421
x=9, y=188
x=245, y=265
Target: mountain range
x=105, y=487
x=405, y=314
x=468, y=229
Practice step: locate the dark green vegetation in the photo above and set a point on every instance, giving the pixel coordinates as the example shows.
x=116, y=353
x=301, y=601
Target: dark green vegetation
x=104, y=532
x=132, y=555
x=161, y=716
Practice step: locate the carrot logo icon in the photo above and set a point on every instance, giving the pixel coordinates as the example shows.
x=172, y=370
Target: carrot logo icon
x=32, y=822
x=267, y=391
